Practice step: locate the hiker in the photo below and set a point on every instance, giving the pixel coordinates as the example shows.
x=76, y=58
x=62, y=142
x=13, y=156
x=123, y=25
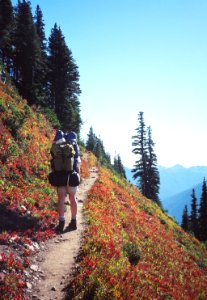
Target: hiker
x=68, y=188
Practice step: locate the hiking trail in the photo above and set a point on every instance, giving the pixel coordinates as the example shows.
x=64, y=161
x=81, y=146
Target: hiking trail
x=53, y=264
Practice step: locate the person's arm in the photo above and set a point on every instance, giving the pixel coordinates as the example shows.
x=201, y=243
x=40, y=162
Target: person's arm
x=77, y=159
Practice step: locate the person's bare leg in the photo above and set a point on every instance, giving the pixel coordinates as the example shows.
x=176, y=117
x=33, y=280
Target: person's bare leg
x=61, y=191
x=73, y=205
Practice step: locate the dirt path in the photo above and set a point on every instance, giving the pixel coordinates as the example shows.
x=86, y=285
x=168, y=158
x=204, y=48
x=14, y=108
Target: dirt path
x=53, y=264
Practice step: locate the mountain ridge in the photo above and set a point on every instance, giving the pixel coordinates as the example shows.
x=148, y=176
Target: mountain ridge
x=175, y=179
x=176, y=184
x=176, y=203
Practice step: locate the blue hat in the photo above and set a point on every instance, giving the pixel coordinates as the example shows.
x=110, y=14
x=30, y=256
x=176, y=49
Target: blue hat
x=59, y=135
x=71, y=137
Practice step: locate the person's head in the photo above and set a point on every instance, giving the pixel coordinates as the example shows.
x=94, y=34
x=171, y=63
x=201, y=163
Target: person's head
x=59, y=137
x=71, y=137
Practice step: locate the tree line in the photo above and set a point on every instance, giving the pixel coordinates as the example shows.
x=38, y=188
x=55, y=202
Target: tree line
x=44, y=71
x=196, y=221
x=95, y=145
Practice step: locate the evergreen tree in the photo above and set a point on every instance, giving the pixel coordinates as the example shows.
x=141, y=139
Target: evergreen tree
x=41, y=73
x=39, y=24
x=115, y=164
x=118, y=166
x=194, y=214
x=6, y=28
x=91, y=141
x=27, y=54
x=107, y=160
x=121, y=167
x=185, y=219
x=99, y=149
x=140, y=167
x=153, y=182
x=95, y=145
x=63, y=77
x=145, y=169
x=203, y=213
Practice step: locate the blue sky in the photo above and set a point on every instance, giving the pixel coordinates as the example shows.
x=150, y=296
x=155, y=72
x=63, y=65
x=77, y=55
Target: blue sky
x=139, y=55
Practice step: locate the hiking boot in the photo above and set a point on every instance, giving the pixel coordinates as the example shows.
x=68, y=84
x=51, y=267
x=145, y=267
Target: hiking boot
x=60, y=226
x=72, y=225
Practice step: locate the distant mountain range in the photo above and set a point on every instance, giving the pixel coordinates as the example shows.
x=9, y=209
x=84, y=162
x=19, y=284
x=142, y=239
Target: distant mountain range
x=176, y=203
x=178, y=179
x=129, y=175
x=176, y=184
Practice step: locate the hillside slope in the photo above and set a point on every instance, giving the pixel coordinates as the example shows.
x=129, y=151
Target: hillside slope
x=132, y=250
x=27, y=201
x=25, y=196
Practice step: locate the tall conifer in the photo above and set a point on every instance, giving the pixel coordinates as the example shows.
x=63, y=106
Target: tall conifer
x=140, y=148
x=40, y=28
x=118, y=166
x=27, y=54
x=153, y=182
x=91, y=140
x=145, y=169
x=6, y=29
x=194, y=214
x=63, y=80
x=203, y=213
x=185, y=219
x=41, y=71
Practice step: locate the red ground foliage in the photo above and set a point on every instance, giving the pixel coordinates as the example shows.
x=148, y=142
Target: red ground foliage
x=27, y=201
x=133, y=250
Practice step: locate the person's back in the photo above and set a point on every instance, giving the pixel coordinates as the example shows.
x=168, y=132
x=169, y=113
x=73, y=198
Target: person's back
x=67, y=188
x=62, y=157
x=71, y=138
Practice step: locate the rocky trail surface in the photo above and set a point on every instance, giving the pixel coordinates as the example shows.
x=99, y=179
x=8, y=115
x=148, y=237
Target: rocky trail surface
x=53, y=264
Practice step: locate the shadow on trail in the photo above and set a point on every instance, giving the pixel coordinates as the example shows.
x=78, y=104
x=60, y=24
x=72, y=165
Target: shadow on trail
x=13, y=221
x=67, y=229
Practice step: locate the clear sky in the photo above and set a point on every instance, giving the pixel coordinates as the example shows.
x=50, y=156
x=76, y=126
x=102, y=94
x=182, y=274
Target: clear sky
x=139, y=55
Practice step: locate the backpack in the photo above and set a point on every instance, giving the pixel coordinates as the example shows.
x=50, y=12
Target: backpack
x=74, y=179
x=62, y=157
x=63, y=178
x=58, y=178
